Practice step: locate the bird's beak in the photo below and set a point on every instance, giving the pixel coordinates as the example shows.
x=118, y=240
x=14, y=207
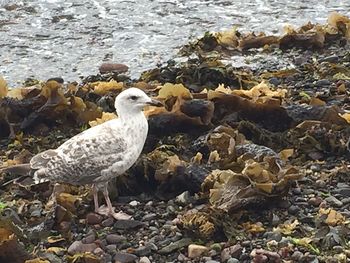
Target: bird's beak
x=154, y=102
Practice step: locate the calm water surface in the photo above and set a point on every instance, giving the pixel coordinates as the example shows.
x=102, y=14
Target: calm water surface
x=69, y=38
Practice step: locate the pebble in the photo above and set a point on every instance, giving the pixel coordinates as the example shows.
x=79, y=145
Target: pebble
x=315, y=201
x=113, y=67
x=128, y=224
x=175, y=246
x=149, y=217
x=122, y=257
x=134, y=203
x=108, y=222
x=183, y=198
x=212, y=261
x=115, y=239
x=233, y=251
x=80, y=247
x=195, y=251
x=293, y=209
x=334, y=201
x=233, y=260
x=89, y=239
x=142, y=251
x=111, y=248
x=276, y=236
x=144, y=260
x=297, y=256
x=93, y=218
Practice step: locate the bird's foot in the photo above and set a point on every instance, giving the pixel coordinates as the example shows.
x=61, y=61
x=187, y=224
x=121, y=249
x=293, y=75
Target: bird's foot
x=104, y=210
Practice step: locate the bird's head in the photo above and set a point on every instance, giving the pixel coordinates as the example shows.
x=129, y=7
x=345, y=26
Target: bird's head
x=133, y=100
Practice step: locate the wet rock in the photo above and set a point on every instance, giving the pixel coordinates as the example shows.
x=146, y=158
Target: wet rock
x=128, y=224
x=175, y=246
x=121, y=257
x=80, y=247
x=93, y=219
x=115, y=239
x=195, y=251
x=113, y=68
x=334, y=201
x=108, y=222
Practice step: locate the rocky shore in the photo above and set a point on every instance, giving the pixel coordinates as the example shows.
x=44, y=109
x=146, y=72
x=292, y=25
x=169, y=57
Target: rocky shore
x=248, y=160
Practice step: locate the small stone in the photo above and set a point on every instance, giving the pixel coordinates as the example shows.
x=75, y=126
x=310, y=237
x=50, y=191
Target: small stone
x=149, y=217
x=233, y=251
x=93, y=218
x=275, y=220
x=315, y=201
x=338, y=249
x=121, y=257
x=195, y=251
x=113, y=67
x=183, y=198
x=212, y=261
x=134, y=203
x=108, y=222
x=320, y=183
x=111, y=248
x=115, y=239
x=144, y=260
x=233, y=260
x=334, y=201
x=142, y=251
x=99, y=251
x=216, y=246
x=89, y=239
x=175, y=246
x=80, y=247
x=277, y=236
x=128, y=224
x=293, y=209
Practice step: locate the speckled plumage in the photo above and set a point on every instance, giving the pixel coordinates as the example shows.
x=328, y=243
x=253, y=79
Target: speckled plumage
x=97, y=154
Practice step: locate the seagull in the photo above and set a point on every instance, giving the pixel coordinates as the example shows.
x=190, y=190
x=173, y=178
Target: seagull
x=100, y=153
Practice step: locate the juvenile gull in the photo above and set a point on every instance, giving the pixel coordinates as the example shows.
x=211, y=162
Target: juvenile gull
x=100, y=153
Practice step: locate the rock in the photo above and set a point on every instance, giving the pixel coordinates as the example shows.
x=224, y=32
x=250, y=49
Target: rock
x=183, y=198
x=216, y=246
x=144, y=260
x=195, y=251
x=297, y=256
x=93, y=218
x=334, y=201
x=128, y=224
x=277, y=236
x=121, y=257
x=134, y=203
x=175, y=246
x=233, y=260
x=111, y=248
x=315, y=201
x=89, y=239
x=108, y=222
x=149, y=217
x=233, y=251
x=142, y=251
x=115, y=239
x=57, y=79
x=113, y=67
x=293, y=209
x=80, y=247
x=212, y=261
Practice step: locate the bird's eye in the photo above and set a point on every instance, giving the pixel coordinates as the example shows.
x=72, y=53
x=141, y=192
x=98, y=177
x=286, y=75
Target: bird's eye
x=133, y=97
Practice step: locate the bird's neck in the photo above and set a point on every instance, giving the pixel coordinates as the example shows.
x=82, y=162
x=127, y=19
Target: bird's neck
x=137, y=125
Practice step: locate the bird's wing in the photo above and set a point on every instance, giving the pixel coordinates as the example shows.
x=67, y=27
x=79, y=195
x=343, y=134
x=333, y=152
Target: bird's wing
x=81, y=159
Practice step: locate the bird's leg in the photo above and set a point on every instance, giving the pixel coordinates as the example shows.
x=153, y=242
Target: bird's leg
x=110, y=209
x=95, y=193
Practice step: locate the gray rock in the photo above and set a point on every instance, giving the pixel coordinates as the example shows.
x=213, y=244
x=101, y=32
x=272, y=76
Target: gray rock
x=121, y=257
x=233, y=260
x=80, y=247
x=142, y=251
x=128, y=224
x=183, y=198
x=111, y=248
x=108, y=222
x=144, y=260
x=149, y=217
x=89, y=239
x=334, y=201
x=297, y=256
x=175, y=246
x=115, y=239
